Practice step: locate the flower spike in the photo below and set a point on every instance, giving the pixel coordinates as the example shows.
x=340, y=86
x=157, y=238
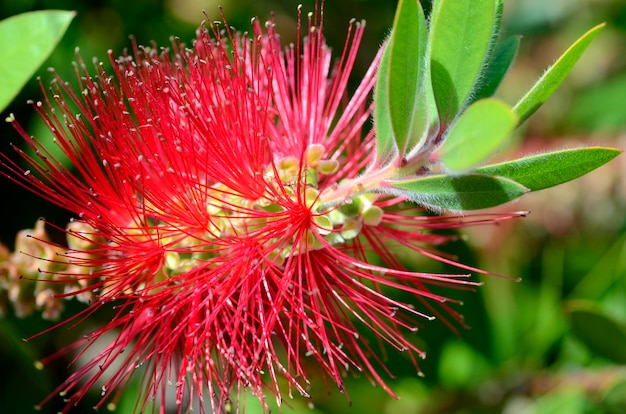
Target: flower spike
x=234, y=213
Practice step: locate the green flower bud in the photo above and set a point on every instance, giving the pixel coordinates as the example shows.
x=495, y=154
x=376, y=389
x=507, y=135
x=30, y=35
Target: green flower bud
x=352, y=207
x=372, y=216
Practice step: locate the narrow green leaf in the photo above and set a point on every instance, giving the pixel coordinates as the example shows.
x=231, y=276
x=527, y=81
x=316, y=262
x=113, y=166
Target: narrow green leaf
x=425, y=118
x=478, y=132
x=554, y=76
x=28, y=40
x=498, y=67
x=408, y=44
x=461, y=36
x=546, y=170
x=466, y=192
x=426, y=124
x=600, y=333
x=385, y=143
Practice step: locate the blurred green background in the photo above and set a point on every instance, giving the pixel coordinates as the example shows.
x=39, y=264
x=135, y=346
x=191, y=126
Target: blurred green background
x=553, y=343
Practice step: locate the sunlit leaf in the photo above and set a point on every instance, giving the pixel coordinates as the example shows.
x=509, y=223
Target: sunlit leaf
x=28, y=40
x=480, y=130
x=554, y=76
x=408, y=44
x=462, y=33
x=425, y=118
x=467, y=192
x=546, y=170
x=385, y=143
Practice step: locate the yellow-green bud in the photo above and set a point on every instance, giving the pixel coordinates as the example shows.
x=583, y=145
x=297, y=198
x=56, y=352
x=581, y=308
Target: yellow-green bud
x=313, y=153
x=311, y=195
x=372, y=216
x=352, y=207
x=288, y=164
x=351, y=229
x=327, y=166
x=323, y=225
x=81, y=236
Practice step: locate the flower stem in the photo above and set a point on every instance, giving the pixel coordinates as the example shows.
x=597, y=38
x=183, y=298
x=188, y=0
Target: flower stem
x=372, y=181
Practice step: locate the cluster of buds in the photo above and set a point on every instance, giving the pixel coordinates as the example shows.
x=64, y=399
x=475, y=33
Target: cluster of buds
x=290, y=180
x=38, y=275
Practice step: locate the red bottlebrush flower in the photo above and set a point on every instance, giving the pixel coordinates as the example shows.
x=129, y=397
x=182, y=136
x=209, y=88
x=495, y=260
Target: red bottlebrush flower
x=222, y=210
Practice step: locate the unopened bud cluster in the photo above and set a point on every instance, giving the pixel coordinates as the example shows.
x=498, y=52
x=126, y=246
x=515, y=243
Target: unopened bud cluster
x=39, y=274
x=234, y=216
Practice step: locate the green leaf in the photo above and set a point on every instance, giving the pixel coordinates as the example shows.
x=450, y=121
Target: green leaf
x=426, y=123
x=564, y=399
x=614, y=399
x=29, y=38
x=408, y=45
x=460, y=364
x=600, y=333
x=466, y=192
x=462, y=33
x=546, y=170
x=554, y=76
x=498, y=67
x=385, y=143
x=479, y=131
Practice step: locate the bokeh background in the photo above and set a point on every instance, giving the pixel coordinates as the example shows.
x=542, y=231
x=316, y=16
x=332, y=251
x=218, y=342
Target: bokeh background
x=555, y=342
